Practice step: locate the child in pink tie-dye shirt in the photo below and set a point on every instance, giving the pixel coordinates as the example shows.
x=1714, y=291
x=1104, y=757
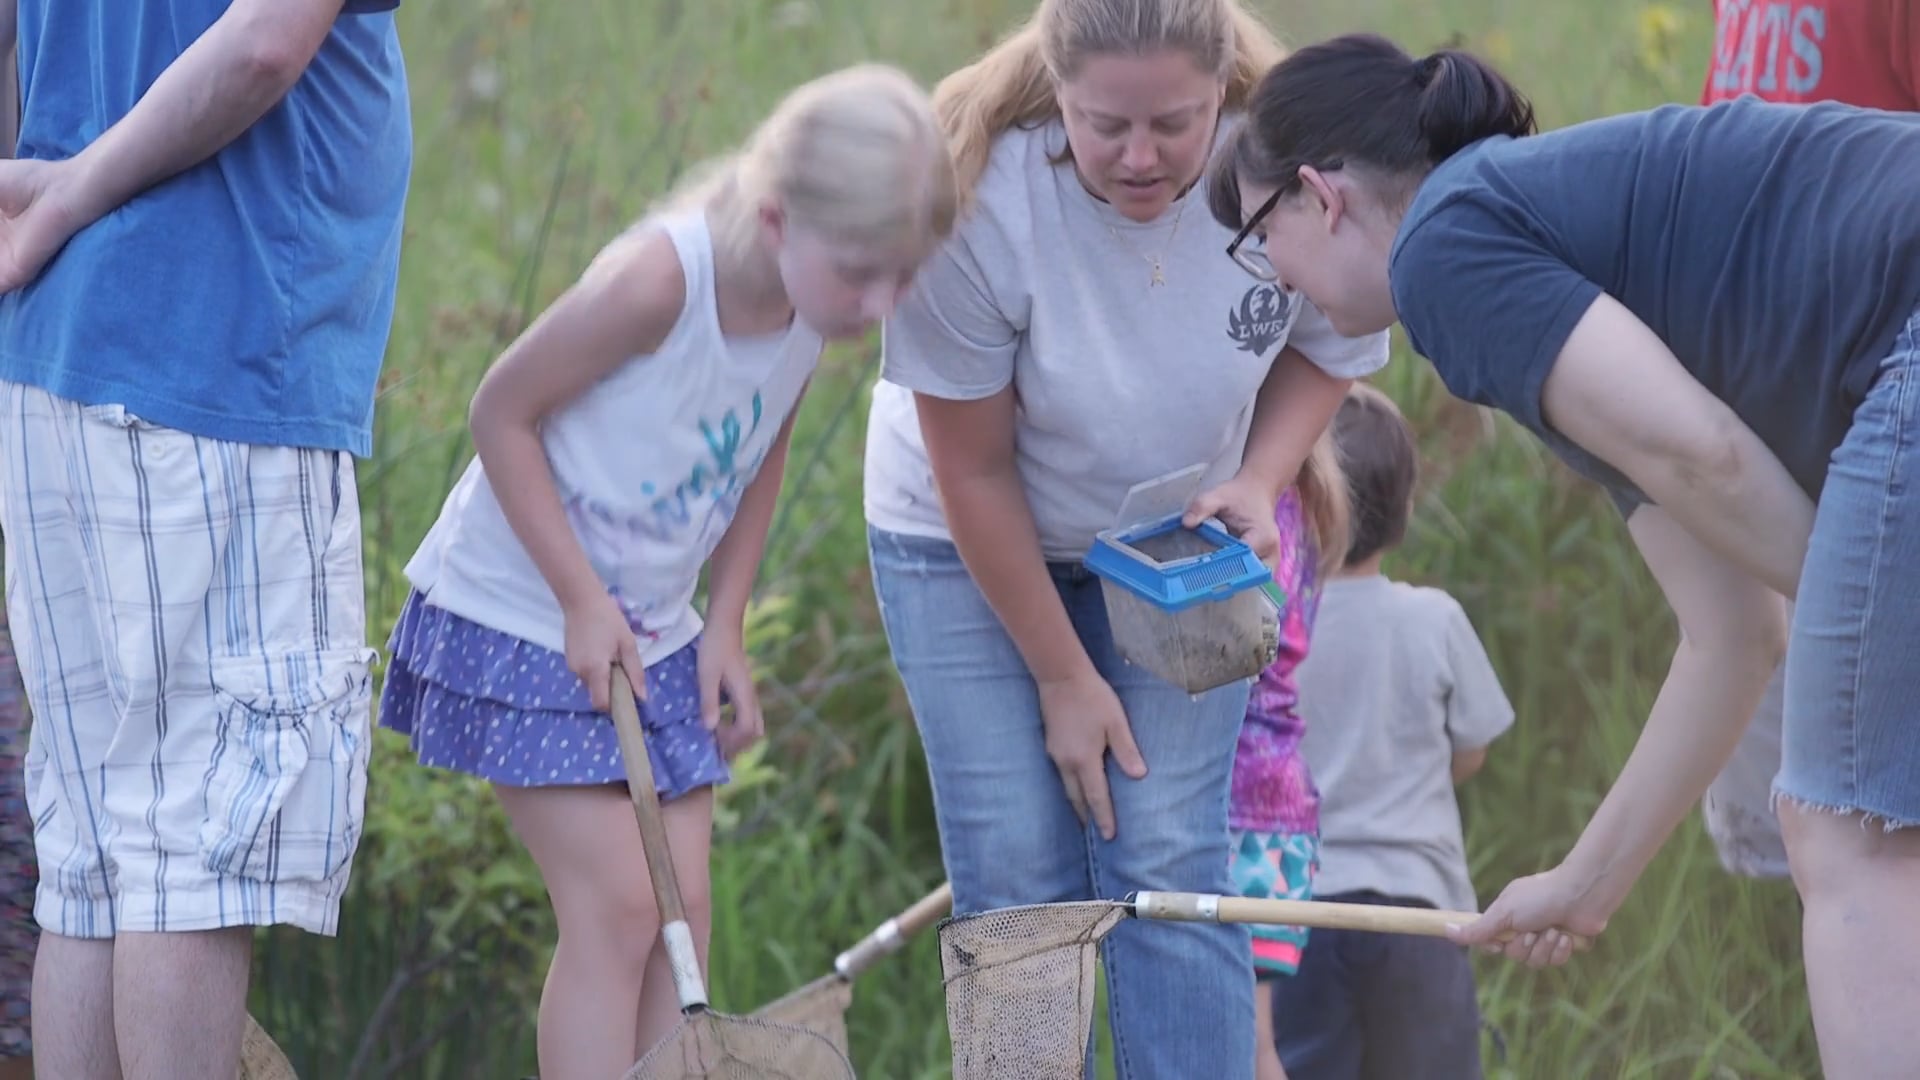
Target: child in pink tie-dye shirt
x=1274, y=814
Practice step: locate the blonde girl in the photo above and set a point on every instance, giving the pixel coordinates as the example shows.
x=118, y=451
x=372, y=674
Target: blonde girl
x=634, y=435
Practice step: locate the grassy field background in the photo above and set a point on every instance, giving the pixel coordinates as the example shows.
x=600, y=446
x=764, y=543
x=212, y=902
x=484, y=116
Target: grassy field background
x=541, y=129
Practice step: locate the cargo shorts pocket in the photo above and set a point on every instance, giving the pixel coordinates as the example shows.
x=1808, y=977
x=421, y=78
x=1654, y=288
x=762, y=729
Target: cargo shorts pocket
x=285, y=787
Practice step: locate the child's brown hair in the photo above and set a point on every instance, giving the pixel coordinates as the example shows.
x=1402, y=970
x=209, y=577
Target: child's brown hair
x=1382, y=464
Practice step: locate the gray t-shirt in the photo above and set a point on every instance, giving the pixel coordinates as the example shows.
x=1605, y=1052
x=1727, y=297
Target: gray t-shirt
x=1047, y=288
x=1395, y=684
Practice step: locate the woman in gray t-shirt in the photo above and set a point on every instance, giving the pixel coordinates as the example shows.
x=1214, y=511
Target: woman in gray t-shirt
x=1080, y=335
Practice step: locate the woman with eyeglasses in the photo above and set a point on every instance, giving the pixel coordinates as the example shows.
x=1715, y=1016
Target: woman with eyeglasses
x=1080, y=334
x=1714, y=312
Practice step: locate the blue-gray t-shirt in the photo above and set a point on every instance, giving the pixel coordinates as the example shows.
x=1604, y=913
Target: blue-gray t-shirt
x=249, y=297
x=1774, y=248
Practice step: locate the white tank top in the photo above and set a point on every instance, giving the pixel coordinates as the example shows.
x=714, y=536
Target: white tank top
x=651, y=464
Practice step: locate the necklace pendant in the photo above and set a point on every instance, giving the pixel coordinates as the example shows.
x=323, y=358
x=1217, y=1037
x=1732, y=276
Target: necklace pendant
x=1158, y=280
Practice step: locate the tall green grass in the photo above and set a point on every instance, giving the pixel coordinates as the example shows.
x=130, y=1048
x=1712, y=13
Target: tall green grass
x=541, y=129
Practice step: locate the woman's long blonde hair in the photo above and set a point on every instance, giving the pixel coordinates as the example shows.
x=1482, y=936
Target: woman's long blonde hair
x=1012, y=85
x=857, y=154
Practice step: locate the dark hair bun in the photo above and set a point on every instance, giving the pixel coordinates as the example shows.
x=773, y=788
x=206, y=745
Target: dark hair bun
x=1463, y=100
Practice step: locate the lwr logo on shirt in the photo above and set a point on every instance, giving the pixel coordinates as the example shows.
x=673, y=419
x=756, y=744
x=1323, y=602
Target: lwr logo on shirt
x=1261, y=320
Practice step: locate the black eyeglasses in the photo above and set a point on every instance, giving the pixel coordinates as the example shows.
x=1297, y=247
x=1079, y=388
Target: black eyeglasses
x=1255, y=261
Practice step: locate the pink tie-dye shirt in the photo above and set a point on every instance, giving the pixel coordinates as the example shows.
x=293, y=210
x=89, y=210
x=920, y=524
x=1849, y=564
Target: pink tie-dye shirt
x=1272, y=789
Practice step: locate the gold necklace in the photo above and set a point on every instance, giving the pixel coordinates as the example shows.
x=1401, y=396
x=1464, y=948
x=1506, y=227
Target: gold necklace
x=1159, y=276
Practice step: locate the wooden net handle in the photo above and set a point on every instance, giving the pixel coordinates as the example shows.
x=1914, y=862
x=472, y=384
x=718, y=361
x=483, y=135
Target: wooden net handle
x=1318, y=914
x=674, y=931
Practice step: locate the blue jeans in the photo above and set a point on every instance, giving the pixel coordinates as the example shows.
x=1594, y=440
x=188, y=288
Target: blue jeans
x=1850, y=740
x=1180, y=995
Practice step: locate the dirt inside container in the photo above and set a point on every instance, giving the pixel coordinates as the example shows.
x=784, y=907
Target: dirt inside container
x=1208, y=645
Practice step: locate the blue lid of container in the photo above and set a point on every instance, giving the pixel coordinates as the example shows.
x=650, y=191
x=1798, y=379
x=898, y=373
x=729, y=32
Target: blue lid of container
x=1231, y=567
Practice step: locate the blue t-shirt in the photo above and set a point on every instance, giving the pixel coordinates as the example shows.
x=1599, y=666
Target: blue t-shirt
x=1774, y=248
x=248, y=298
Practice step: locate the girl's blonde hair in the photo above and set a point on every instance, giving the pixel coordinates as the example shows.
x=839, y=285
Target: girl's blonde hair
x=1013, y=84
x=1326, y=504
x=856, y=154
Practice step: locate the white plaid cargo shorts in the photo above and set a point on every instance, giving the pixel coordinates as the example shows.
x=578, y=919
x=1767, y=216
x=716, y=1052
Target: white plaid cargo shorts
x=191, y=630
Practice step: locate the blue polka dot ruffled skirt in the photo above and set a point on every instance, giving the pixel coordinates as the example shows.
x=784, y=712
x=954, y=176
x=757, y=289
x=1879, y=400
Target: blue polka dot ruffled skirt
x=486, y=703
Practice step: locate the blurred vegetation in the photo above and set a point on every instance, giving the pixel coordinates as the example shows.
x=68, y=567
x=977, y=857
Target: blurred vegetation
x=542, y=129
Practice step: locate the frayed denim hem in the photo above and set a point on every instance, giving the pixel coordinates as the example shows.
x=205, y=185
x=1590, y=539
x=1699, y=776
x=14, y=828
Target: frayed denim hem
x=1867, y=817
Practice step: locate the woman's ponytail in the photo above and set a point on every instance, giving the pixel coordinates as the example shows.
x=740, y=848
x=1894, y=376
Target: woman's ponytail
x=1463, y=100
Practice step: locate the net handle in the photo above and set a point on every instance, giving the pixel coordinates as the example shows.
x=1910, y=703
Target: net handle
x=1318, y=914
x=891, y=935
x=926, y=911
x=674, y=930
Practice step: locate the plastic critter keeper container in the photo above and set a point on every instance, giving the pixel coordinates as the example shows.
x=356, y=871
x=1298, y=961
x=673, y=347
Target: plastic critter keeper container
x=1190, y=605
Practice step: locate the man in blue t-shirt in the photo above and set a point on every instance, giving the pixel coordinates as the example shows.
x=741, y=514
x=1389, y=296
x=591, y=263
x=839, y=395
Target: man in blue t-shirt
x=199, y=244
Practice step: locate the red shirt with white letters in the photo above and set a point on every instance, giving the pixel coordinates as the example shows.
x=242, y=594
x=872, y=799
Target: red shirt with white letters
x=1862, y=52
